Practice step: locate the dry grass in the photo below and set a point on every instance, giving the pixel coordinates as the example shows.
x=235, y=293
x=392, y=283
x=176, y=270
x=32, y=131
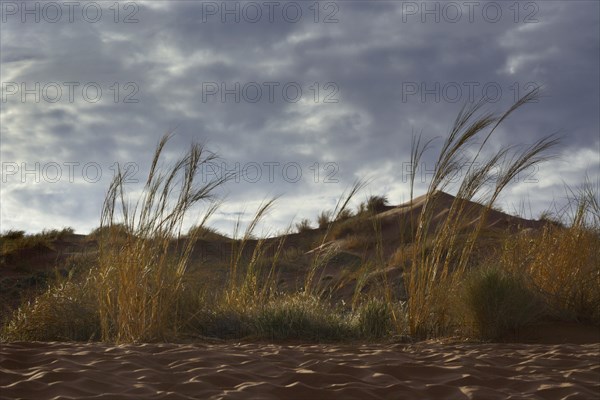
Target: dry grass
x=435, y=274
x=140, y=287
x=302, y=317
x=563, y=262
x=13, y=241
x=303, y=226
x=66, y=311
x=139, y=277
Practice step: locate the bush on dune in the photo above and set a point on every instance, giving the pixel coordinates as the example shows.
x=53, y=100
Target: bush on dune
x=14, y=240
x=497, y=304
x=300, y=316
x=66, y=311
x=375, y=319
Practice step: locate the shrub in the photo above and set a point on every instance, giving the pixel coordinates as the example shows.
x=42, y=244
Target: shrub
x=551, y=218
x=360, y=225
x=376, y=204
x=66, y=311
x=57, y=234
x=344, y=214
x=20, y=243
x=13, y=241
x=303, y=226
x=324, y=219
x=221, y=321
x=205, y=232
x=13, y=234
x=499, y=304
x=301, y=316
x=116, y=230
x=374, y=319
x=562, y=261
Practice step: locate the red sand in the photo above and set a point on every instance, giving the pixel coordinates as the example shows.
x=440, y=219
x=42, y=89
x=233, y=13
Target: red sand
x=424, y=370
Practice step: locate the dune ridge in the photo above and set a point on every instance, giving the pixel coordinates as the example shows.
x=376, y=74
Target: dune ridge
x=36, y=370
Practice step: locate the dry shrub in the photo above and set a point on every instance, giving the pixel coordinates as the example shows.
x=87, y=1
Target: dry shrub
x=303, y=226
x=324, y=219
x=563, y=263
x=14, y=241
x=66, y=311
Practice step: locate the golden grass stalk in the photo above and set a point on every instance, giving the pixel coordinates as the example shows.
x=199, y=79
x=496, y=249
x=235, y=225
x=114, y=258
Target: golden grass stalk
x=324, y=253
x=247, y=285
x=563, y=262
x=443, y=252
x=140, y=274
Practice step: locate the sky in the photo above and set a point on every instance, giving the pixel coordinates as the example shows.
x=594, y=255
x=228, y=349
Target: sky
x=301, y=98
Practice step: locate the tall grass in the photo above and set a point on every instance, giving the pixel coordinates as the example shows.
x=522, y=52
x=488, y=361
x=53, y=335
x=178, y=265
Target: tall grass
x=443, y=252
x=140, y=287
x=139, y=277
x=563, y=262
x=323, y=253
x=248, y=284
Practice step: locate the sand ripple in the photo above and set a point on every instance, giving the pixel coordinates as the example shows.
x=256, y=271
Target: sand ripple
x=265, y=371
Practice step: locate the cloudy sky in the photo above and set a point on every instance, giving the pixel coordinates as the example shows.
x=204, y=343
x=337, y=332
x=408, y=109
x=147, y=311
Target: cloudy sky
x=303, y=97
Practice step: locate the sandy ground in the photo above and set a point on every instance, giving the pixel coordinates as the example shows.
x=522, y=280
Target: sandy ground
x=425, y=370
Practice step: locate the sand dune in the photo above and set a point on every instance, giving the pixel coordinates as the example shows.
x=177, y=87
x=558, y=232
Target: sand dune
x=266, y=371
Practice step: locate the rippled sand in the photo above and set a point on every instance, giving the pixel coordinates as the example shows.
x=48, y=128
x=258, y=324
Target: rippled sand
x=264, y=371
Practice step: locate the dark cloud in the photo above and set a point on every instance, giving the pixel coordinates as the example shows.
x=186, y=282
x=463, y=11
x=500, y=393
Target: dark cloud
x=391, y=74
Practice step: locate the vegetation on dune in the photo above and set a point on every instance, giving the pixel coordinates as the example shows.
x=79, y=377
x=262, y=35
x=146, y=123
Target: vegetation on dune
x=435, y=275
x=303, y=225
x=562, y=261
x=140, y=287
x=66, y=311
x=13, y=241
x=376, y=204
x=498, y=304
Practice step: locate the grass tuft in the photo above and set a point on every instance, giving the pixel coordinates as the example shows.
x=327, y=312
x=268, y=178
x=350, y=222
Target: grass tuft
x=67, y=311
x=301, y=317
x=499, y=304
x=375, y=319
x=140, y=275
